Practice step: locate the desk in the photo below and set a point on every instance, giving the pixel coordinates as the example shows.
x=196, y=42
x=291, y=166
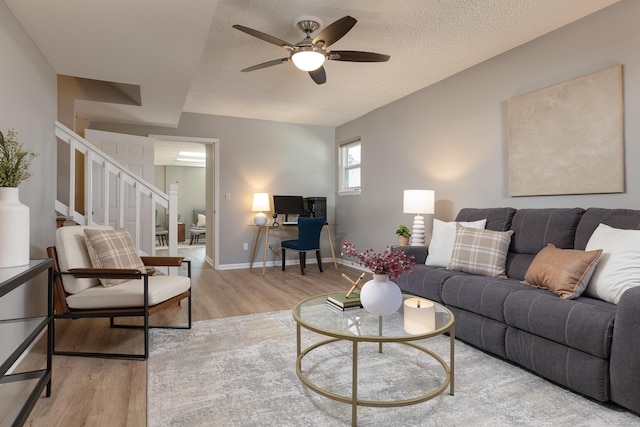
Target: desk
x=266, y=228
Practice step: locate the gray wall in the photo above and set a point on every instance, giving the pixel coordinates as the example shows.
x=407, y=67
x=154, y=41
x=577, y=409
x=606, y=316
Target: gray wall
x=256, y=156
x=451, y=137
x=28, y=105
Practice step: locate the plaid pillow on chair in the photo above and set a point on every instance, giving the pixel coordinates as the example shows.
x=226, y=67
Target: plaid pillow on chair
x=112, y=249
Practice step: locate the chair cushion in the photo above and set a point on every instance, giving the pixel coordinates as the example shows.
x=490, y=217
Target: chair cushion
x=481, y=252
x=112, y=249
x=72, y=253
x=130, y=293
x=202, y=221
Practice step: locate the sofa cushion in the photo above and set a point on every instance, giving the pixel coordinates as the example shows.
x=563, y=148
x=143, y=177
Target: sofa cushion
x=480, y=331
x=584, y=324
x=112, y=249
x=443, y=237
x=518, y=264
x=481, y=295
x=534, y=228
x=482, y=252
x=626, y=219
x=498, y=219
x=619, y=268
x=130, y=293
x=564, y=365
x=425, y=281
x=72, y=253
x=565, y=272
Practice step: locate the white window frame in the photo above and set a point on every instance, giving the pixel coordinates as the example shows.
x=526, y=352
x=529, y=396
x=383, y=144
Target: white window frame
x=343, y=167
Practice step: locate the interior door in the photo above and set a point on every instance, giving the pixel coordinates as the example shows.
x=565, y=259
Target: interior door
x=136, y=154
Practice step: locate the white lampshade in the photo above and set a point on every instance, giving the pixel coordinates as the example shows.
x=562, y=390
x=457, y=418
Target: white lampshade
x=308, y=59
x=260, y=204
x=418, y=202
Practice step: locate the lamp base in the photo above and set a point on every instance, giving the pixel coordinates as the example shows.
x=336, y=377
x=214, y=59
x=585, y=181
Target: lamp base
x=417, y=233
x=260, y=218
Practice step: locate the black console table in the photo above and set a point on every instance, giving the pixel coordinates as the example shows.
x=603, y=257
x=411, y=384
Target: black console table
x=20, y=391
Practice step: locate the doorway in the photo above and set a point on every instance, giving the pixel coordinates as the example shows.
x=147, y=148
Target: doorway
x=211, y=187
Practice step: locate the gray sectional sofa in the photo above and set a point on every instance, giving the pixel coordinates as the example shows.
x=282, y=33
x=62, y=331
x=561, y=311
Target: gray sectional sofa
x=585, y=344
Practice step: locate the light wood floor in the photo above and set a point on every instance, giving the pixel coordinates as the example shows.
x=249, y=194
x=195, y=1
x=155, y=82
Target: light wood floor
x=108, y=392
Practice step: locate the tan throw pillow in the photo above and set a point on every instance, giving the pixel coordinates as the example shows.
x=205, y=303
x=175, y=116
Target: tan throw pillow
x=112, y=249
x=482, y=252
x=565, y=272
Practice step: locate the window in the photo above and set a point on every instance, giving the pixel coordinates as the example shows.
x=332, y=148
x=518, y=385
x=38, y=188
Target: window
x=350, y=167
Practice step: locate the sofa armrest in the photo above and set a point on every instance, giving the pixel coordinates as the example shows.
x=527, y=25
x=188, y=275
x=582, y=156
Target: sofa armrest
x=624, y=366
x=419, y=252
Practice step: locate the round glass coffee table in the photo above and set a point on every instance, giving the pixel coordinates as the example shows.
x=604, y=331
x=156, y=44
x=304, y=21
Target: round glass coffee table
x=359, y=326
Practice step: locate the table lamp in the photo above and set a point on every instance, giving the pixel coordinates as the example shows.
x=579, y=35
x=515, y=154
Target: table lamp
x=418, y=202
x=260, y=204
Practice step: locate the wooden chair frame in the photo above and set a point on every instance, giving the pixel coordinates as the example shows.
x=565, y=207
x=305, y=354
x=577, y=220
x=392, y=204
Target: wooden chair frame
x=63, y=311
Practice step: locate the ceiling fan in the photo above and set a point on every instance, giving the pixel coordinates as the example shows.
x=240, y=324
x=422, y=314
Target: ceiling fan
x=309, y=54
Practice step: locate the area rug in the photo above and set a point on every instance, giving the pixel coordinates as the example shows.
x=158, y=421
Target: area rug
x=240, y=371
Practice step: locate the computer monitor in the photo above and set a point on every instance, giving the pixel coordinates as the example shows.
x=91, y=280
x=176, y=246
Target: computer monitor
x=288, y=205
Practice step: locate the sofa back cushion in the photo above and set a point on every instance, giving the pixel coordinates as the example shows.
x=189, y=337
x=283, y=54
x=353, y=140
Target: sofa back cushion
x=533, y=229
x=626, y=219
x=498, y=219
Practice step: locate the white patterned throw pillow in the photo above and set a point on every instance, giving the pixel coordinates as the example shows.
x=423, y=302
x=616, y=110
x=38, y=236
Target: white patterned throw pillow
x=442, y=238
x=482, y=252
x=112, y=249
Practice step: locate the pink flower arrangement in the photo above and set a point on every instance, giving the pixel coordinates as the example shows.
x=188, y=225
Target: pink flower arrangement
x=392, y=263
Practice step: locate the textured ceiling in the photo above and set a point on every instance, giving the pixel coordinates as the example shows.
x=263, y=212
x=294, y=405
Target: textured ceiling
x=185, y=55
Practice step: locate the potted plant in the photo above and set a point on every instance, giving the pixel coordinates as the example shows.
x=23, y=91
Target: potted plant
x=14, y=216
x=403, y=235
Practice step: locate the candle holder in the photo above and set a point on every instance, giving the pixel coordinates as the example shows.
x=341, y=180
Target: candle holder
x=419, y=316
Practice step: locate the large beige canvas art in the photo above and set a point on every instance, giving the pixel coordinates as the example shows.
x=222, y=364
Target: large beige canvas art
x=568, y=138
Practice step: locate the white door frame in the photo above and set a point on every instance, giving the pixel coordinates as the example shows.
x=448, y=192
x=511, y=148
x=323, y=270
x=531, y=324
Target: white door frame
x=215, y=162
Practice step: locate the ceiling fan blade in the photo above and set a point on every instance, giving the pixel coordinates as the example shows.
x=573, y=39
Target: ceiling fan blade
x=334, y=32
x=319, y=76
x=357, y=56
x=264, y=36
x=266, y=64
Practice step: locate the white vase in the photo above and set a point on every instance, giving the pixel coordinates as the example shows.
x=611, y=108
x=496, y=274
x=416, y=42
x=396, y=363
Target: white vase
x=14, y=229
x=381, y=296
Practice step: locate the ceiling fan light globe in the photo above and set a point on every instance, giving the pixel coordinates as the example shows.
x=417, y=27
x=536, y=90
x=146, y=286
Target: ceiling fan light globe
x=308, y=60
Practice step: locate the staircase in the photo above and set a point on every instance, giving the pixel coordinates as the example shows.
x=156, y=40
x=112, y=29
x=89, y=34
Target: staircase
x=115, y=196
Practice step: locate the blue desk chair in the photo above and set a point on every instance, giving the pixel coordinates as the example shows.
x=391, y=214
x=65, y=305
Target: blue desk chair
x=309, y=230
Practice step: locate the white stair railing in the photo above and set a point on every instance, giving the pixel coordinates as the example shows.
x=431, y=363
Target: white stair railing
x=113, y=182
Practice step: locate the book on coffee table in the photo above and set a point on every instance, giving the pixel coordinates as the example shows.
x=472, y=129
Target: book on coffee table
x=339, y=309
x=341, y=300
